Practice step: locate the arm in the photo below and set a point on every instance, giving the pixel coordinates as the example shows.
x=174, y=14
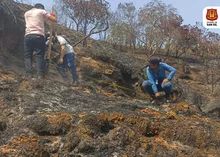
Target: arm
x=151, y=79
x=63, y=51
x=50, y=17
x=62, y=43
x=171, y=70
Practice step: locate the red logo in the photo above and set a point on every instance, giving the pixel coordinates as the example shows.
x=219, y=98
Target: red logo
x=212, y=14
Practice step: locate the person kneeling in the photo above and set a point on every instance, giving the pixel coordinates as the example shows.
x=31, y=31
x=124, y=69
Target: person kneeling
x=157, y=79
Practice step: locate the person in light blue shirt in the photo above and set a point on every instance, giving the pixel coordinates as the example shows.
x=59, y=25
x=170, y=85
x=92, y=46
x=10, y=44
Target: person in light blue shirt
x=157, y=79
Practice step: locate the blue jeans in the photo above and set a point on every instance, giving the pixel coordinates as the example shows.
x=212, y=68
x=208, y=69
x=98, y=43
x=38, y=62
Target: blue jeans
x=34, y=42
x=166, y=87
x=68, y=62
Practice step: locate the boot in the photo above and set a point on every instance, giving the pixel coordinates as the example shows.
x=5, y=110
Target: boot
x=40, y=77
x=29, y=76
x=169, y=98
x=75, y=83
x=67, y=81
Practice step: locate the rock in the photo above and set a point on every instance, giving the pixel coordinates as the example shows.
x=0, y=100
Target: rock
x=187, y=94
x=212, y=106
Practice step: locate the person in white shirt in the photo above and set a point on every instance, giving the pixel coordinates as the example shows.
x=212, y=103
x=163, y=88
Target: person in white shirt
x=66, y=59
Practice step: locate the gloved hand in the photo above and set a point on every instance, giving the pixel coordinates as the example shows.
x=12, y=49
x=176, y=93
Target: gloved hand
x=48, y=40
x=52, y=14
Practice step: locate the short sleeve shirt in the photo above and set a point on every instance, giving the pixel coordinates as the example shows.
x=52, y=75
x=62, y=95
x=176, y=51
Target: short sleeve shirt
x=62, y=41
x=35, y=19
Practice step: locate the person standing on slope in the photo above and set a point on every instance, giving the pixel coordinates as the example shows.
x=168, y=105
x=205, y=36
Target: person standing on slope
x=35, y=38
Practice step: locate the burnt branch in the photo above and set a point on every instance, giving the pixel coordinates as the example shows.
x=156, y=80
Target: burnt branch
x=91, y=33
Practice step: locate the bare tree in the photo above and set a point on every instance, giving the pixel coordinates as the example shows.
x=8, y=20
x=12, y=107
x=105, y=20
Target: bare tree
x=124, y=25
x=86, y=16
x=159, y=22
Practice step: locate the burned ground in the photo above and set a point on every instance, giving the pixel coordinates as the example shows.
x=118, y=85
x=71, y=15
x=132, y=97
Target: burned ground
x=108, y=114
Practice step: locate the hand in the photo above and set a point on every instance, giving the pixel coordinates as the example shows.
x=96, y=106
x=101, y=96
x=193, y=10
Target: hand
x=157, y=95
x=60, y=61
x=52, y=14
x=165, y=81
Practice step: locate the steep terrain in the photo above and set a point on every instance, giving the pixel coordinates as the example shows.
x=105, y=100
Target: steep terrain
x=107, y=115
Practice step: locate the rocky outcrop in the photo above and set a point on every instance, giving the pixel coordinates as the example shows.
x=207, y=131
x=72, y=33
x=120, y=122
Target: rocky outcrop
x=212, y=106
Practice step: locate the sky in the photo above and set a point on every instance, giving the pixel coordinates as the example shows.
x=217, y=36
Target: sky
x=190, y=10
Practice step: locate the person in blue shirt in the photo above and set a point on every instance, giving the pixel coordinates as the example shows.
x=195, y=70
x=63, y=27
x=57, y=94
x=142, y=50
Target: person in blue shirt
x=157, y=79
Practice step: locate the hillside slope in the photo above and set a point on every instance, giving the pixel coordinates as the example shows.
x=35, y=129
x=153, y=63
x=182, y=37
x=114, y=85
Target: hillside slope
x=107, y=115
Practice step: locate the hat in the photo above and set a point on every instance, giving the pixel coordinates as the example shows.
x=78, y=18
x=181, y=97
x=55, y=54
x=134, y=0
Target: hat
x=154, y=60
x=39, y=5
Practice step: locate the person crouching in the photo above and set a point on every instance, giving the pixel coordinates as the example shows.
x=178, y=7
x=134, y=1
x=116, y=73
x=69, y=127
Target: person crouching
x=157, y=79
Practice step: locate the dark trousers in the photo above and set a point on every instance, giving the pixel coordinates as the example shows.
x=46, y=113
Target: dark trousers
x=68, y=62
x=34, y=42
x=166, y=87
